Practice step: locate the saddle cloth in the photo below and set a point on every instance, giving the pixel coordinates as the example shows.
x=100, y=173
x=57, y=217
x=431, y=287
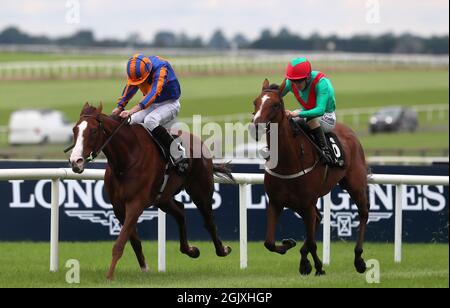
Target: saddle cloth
x=298, y=125
x=167, y=158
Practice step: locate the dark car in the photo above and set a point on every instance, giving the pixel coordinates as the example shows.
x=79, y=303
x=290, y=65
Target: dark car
x=393, y=119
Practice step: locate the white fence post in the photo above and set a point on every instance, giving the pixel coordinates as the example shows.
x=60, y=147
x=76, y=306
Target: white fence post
x=326, y=228
x=398, y=223
x=242, y=179
x=243, y=224
x=54, y=226
x=161, y=241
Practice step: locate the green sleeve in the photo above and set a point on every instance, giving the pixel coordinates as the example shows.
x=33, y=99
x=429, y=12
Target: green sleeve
x=323, y=95
x=287, y=88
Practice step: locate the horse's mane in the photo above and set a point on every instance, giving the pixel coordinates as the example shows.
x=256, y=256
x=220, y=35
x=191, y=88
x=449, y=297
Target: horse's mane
x=274, y=86
x=89, y=109
x=115, y=118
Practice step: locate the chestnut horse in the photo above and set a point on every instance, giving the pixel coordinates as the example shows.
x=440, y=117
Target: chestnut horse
x=135, y=174
x=300, y=178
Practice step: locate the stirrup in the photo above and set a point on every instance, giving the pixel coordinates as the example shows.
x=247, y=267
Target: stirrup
x=182, y=162
x=327, y=157
x=331, y=161
x=181, y=165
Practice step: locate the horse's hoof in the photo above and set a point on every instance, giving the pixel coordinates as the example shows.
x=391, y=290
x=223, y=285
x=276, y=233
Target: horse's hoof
x=305, y=268
x=320, y=273
x=360, y=265
x=226, y=250
x=144, y=269
x=193, y=252
x=281, y=250
x=289, y=243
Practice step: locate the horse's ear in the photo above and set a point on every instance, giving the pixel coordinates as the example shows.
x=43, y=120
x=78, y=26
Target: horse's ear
x=85, y=107
x=266, y=84
x=100, y=107
x=282, y=87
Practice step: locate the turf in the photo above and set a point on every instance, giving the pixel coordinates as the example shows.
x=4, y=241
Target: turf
x=26, y=265
x=434, y=143
x=223, y=95
x=6, y=57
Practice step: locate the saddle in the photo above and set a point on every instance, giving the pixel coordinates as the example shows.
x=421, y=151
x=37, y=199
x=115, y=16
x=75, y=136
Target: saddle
x=167, y=158
x=299, y=126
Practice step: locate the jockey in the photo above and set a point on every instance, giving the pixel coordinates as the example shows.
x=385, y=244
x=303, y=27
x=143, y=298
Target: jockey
x=315, y=93
x=156, y=79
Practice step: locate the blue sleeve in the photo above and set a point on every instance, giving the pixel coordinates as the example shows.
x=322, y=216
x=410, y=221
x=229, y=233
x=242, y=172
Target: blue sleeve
x=127, y=94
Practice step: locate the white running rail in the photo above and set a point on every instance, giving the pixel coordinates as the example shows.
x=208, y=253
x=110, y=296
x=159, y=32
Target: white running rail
x=242, y=179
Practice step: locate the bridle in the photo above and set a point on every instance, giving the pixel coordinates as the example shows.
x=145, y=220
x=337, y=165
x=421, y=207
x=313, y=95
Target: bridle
x=93, y=155
x=267, y=128
x=294, y=175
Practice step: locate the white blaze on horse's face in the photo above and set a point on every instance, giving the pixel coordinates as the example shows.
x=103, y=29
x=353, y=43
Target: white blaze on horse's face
x=264, y=99
x=76, y=158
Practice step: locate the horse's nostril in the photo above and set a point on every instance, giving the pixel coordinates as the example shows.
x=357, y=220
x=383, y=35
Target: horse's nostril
x=80, y=161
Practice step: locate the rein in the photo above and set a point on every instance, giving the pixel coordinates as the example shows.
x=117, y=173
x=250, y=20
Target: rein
x=319, y=151
x=297, y=174
x=95, y=153
x=290, y=176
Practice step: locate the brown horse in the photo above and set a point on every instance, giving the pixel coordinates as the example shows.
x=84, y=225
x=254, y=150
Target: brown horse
x=299, y=179
x=135, y=174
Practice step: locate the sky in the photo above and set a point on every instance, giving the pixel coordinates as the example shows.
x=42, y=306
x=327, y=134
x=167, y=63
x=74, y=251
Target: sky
x=119, y=18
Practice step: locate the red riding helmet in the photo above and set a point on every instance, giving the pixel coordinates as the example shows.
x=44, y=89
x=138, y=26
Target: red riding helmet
x=298, y=68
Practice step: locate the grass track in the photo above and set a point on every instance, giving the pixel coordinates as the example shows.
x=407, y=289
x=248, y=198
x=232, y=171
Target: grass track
x=26, y=265
x=222, y=95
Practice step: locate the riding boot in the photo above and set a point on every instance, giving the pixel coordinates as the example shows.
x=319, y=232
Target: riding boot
x=319, y=135
x=178, y=158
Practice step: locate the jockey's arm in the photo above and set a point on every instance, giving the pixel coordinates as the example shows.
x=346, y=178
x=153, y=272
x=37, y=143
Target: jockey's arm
x=128, y=92
x=287, y=88
x=322, y=98
x=159, y=80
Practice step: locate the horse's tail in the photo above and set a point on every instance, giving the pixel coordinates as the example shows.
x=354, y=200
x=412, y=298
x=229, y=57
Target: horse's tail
x=223, y=171
x=369, y=173
x=368, y=170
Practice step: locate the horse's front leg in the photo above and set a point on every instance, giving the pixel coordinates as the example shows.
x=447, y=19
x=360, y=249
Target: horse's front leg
x=137, y=247
x=310, y=219
x=119, y=211
x=273, y=214
x=134, y=210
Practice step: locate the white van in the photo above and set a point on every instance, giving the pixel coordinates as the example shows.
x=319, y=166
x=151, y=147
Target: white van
x=34, y=126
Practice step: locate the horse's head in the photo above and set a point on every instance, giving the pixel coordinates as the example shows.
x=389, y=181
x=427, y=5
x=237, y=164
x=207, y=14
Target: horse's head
x=269, y=108
x=269, y=105
x=88, y=137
